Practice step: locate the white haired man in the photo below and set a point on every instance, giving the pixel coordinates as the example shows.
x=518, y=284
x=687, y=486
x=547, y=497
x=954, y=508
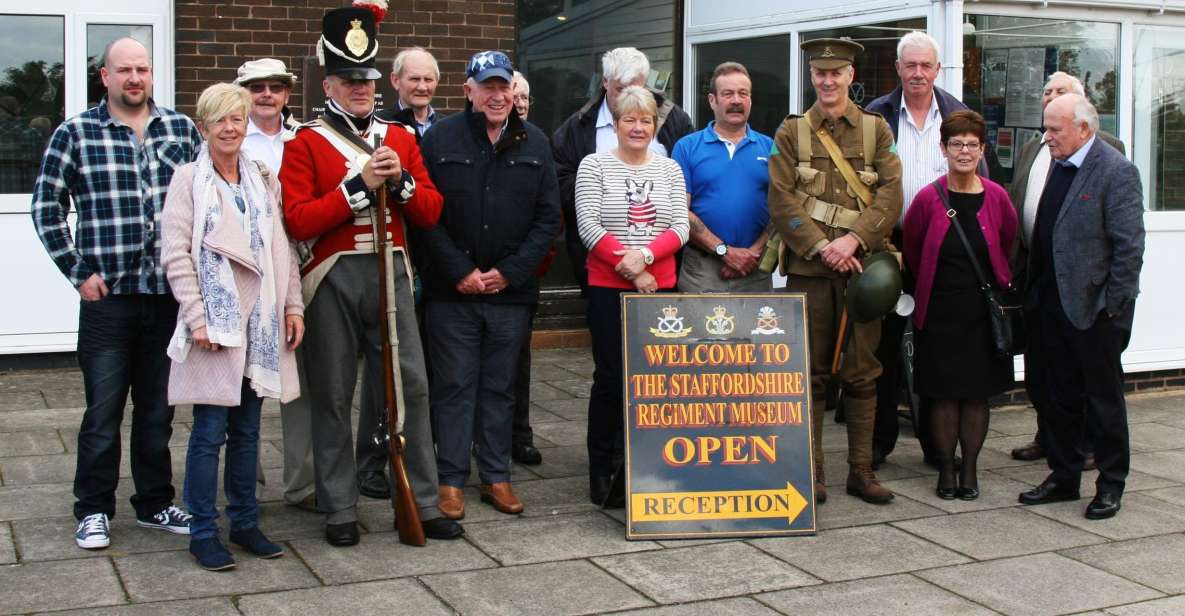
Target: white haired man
x=914, y=110
x=414, y=75
x=1026, y=189
x=522, y=94
x=590, y=129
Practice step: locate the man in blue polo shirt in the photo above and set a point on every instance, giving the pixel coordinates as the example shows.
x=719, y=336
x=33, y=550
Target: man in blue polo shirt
x=725, y=166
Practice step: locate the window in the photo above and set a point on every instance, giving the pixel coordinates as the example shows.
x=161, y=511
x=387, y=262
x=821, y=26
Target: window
x=32, y=94
x=1159, y=89
x=98, y=36
x=876, y=74
x=766, y=59
x=1006, y=62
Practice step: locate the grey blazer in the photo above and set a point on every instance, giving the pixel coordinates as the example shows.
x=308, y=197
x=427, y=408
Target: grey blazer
x=1098, y=238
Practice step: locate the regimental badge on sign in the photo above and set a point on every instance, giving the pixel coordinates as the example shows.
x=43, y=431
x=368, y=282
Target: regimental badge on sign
x=717, y=416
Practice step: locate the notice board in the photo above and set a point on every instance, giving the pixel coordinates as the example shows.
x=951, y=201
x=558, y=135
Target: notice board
x=717, y=416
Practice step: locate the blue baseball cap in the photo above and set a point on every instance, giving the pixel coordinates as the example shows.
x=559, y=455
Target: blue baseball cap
x=489, y=64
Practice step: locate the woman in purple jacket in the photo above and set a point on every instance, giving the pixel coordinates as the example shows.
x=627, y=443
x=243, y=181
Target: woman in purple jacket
x=955, y=362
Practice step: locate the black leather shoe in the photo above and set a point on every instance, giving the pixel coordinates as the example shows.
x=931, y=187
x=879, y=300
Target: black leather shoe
x=945, y=493
x=526, y=454
x=373, y=484
x=1104, y=505
x=442, y=528
x=342, y=535
x=1028, y=452
x=1048, y=492
x=967, y=494
x=606, y=493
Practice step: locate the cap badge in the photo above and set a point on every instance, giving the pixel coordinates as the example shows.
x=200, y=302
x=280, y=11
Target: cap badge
x=356, y=39
x=827, y=53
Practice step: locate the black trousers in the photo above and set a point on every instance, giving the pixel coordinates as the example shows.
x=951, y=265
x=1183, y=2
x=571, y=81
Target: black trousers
x=887, y=426
x=121, y=347
x=522, y=434
x=1084, y=378
x=606, y=417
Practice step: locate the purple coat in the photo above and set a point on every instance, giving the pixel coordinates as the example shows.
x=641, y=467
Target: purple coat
x=926, y=224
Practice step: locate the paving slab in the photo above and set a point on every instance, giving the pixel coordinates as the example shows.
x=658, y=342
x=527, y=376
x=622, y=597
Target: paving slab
x=883, y=596
x=574, y=387
x=1157, y=562
x=7, y=547
x=572, y=409
x=66, y=584
x=1038, y=585
x=564, y=461
x=179, y=438
x=1174, y=494
x=381, y=556
x=20, y=420
x=563, y=433
x=842, y=510
x=544, y=391
x=739, y=606
x=371, y=598
x=52, y=538
x=703, y=572
x=1169, y=606
x=835, y=468
x=214, y=606
x=560, y=537
x=998, y=533
x=159, y=576
x=858, y=552
x=1021, y=421
x=1034, y=475
x=549, y=589
x=22, y=502
x=995, y=491
x=34, y=443
x=1167, y=464
x=1155, y=437
x=552, y=496
x=1140, y=516
x=22, y=401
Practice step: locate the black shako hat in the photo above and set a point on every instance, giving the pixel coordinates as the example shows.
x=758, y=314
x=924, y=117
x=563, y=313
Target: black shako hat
x=348, y=43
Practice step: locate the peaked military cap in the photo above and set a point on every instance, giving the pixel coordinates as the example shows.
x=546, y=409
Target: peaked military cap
x=348, y=43
x=831, y=53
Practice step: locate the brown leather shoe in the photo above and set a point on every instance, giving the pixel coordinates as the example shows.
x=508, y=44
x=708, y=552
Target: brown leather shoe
x=1028, y=452
x=501, y=497
x=452, y=502
x=820, y=486
x=862, y=482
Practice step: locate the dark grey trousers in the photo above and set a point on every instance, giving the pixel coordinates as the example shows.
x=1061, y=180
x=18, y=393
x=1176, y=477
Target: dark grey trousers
x=342, y=322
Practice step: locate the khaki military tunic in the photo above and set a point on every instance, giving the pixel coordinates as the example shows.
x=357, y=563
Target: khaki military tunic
x=794, y=195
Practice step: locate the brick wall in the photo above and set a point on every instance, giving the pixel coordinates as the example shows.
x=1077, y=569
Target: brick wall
x=1135, y=382
x=214, y=38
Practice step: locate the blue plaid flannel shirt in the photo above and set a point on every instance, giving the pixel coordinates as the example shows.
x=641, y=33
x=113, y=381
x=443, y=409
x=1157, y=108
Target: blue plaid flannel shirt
x=118, y=190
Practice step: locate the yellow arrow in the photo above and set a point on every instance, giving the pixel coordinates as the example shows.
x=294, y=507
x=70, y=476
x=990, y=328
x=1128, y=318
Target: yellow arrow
x=728, y=505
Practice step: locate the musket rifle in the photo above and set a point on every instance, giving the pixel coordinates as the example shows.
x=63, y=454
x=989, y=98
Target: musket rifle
x=407, y=513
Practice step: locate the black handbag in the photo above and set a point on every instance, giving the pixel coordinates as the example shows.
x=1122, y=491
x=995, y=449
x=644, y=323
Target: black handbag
x=1005, y=313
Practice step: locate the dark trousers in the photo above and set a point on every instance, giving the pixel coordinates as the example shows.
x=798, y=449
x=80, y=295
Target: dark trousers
x=238, y=428
x=121, y=347
x=474, y=346
x=888, y=385
x=1085, y=386
x=606, y=418
x=522, y=433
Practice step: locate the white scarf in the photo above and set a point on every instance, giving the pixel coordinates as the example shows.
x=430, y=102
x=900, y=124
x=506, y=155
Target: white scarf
x=220, y=296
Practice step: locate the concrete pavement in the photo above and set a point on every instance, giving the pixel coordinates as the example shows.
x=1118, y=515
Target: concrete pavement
x=919, y=555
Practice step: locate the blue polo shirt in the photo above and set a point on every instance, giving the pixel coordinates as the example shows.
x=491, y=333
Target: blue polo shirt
x=727, y=193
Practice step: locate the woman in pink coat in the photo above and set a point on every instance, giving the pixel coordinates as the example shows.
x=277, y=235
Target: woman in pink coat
x=233, y=271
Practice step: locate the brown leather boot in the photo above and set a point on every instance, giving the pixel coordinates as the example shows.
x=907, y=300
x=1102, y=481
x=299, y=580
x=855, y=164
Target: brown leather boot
x=501, y=497
x=452, y=502
x=820, y=485
x=817, y=451
x=862, y=482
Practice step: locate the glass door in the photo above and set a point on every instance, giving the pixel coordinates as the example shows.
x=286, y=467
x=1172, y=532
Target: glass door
x=1159, y=89
x=875, y=71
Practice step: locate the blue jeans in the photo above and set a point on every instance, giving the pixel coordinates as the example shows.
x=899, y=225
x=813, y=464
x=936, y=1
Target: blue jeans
x=121, y=347
x=238, y=427
x=474, y=348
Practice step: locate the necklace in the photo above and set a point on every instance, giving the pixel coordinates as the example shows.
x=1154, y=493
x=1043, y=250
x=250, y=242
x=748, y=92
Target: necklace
x=235, y=189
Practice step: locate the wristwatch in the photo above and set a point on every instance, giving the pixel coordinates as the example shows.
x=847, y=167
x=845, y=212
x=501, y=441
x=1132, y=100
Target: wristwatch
x=721, y=249
x=647, y=256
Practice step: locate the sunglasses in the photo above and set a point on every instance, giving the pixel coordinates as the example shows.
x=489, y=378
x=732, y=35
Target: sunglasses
x=259, y=88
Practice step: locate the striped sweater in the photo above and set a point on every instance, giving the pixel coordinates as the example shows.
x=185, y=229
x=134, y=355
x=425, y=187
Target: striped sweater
x=620, y=206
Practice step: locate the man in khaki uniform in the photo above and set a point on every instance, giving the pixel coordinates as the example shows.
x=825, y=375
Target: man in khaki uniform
x=826, y=229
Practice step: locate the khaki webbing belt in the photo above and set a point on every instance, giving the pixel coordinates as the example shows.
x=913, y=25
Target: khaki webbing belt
x=835, y=216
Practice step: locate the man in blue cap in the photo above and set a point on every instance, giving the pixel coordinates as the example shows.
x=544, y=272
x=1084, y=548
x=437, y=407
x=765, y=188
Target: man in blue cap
x=501, y=214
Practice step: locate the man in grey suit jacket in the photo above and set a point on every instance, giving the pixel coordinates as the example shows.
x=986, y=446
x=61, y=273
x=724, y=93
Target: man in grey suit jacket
x=1084, y=262
x=1031, y=170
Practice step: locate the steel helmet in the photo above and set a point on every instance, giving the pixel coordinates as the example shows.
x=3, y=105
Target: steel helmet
x=872, y=294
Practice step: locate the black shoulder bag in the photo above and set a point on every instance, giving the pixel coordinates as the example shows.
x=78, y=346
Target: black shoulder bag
x=1006, y=317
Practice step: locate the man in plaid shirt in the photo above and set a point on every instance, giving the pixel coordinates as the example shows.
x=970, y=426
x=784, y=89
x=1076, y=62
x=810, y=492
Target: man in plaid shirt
x=115, y=162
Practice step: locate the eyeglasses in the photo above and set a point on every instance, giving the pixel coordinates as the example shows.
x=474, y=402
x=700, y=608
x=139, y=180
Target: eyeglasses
x=259, y=88
x=518, y=98
x=958, y=146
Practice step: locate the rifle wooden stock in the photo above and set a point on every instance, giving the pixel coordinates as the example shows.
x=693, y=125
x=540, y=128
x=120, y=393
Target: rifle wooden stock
x=832, y=392
x=407, y=512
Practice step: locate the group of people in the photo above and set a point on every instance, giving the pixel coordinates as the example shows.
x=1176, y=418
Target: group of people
x=242, y=245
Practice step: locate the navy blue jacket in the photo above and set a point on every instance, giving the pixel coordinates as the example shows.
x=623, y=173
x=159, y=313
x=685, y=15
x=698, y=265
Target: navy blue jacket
x=501, y=206
x=889, y=107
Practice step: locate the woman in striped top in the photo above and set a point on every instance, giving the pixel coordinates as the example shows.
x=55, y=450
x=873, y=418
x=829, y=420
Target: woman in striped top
x=631, y=212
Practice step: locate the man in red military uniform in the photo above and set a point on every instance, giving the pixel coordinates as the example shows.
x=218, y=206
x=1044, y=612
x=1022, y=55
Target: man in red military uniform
x=330, y=178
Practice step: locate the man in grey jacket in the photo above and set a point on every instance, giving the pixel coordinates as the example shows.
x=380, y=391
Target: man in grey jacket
x=1084, y=264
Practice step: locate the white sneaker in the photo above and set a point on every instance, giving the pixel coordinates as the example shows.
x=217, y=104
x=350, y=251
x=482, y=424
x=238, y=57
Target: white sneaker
x=171, y=518
x=92, y=533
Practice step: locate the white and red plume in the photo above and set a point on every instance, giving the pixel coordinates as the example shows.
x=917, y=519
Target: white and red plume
x=378, y=7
